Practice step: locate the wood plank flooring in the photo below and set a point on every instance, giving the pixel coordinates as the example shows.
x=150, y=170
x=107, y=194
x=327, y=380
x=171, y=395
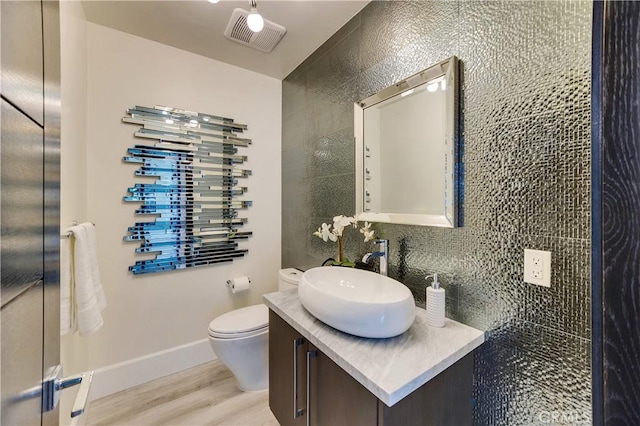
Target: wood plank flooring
x=204, y=395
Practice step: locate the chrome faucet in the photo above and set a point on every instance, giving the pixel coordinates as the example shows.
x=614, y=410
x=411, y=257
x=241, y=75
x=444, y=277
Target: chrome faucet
x=382, y=253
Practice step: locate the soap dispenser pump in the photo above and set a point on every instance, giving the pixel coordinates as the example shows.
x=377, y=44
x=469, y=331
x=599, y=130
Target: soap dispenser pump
x=435, y=303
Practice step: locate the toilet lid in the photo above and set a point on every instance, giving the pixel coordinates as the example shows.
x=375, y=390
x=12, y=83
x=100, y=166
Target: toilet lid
x=241, y=320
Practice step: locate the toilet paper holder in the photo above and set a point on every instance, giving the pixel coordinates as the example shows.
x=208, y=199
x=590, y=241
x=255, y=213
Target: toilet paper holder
x=232, y=282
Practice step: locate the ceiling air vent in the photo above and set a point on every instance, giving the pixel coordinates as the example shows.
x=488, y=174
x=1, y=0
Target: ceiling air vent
x=265, y=40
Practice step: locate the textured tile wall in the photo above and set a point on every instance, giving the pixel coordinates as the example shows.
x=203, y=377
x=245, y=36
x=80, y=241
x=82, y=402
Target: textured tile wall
x=526, y=120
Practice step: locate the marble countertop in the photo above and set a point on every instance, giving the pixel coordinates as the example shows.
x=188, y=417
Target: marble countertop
x=389, y=368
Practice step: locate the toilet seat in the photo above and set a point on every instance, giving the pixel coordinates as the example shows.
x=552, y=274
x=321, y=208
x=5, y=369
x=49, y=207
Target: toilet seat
x=239, y=323
x=237, y=336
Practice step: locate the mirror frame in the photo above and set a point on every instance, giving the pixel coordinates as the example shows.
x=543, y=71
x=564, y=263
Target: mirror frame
x=449, y=218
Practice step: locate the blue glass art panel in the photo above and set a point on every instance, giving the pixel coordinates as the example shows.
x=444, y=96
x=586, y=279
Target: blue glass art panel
x=191, y=195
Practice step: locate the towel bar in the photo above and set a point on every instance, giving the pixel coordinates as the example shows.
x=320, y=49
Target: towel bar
x=69, y=234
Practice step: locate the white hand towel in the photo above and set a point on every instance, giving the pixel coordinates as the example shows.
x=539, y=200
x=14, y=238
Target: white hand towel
x=90, y=230
x=89, y=296
x=67, y=320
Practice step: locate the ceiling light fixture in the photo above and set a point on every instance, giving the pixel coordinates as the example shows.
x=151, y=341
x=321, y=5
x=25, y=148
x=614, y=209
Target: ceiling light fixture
x=214, y=1
x=254, y=20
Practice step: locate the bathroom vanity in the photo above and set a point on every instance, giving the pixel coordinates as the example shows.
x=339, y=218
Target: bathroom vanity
x=321, y=376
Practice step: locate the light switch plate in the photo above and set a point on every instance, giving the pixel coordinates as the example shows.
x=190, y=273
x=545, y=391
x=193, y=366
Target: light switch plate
x=537, y=267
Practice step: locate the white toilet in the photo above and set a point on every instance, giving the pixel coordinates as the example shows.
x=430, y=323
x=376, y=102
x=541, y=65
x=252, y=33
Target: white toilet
x=240, y=338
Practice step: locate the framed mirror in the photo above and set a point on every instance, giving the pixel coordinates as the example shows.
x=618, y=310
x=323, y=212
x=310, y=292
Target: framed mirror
x=406, y=148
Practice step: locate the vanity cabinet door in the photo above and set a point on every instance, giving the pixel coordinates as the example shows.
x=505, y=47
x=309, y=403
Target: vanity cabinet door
x=336, y=398
x=445, y=400
x=285, y=345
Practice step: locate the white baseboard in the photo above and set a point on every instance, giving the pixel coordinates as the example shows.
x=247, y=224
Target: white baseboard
x=123, y=375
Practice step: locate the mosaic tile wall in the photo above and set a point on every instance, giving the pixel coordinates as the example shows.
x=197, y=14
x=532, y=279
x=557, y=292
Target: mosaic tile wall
x=526, y=120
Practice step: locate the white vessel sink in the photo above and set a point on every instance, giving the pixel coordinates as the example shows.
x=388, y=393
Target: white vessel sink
x=357, y=302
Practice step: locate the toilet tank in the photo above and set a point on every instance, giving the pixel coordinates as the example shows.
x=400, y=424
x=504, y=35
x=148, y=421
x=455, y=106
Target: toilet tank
x=288, y=278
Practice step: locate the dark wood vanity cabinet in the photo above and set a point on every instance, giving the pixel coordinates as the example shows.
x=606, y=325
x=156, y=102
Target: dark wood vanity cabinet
x=336, y=398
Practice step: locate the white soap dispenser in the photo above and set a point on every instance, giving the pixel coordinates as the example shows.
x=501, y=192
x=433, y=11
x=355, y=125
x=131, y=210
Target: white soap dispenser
x=435, y=303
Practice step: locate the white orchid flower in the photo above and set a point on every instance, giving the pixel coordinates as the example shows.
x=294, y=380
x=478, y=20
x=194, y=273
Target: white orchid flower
x=367, y=231
x=343, y=220
x=325, y=233
x=368, y=235
x=339, y=222
x=318, y=233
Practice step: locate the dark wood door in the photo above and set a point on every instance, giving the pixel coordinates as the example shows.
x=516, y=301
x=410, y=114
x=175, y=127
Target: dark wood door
x=615, y=185
x=286, y=400
x=445, y=400
x=336, y=398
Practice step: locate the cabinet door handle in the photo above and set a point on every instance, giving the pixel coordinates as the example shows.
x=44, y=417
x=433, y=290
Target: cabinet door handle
x=297, y=412
x=310, y=356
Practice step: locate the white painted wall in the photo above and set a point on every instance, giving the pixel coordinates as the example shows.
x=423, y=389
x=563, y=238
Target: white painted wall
x=73, y=127
x=157, y=313
x=74, y=350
